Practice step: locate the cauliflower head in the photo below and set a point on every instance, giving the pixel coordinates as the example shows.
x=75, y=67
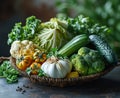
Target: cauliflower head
x=18, y=47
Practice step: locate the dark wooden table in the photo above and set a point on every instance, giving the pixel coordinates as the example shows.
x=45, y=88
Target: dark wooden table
x=105, y=87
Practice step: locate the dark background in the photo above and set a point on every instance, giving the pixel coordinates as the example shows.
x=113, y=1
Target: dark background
x=12, y=11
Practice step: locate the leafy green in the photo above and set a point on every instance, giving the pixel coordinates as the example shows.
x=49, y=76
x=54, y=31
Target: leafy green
x=82, y=24
x=28, y=70
x=12, y=78
x=53, y=34
x=46, y=35
x=8, y=72
x=54, y=52
x=17, y=33
x=56, y=32
x=41, y=73
x=27, y=32
x=106, y=12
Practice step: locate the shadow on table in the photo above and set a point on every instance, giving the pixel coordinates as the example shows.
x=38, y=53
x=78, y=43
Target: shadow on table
x=107, y=84
x=106, y=87
x=99, y=86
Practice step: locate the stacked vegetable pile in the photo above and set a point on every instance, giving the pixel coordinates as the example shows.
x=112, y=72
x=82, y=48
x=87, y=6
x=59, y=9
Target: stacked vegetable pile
x=63, y=47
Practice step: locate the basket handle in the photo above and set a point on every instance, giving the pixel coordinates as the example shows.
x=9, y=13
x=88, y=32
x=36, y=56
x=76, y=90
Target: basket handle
x=4, y=58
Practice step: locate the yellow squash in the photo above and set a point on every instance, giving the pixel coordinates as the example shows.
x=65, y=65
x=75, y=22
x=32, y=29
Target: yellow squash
x=24, y=62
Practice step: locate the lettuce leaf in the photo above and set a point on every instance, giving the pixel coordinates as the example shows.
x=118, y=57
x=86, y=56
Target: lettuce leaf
x=54, y=34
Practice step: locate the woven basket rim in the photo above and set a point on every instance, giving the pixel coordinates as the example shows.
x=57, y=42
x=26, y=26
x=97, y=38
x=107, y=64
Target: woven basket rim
x=60, y=82
x=64, y=79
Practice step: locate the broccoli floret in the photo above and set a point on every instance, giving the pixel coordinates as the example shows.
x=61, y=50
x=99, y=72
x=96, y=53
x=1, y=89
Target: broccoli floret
x=80, y=65
x=87, y=61
x=83, y=51
x=98, y=65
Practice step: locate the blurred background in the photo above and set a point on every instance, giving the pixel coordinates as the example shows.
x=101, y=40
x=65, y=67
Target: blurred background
x=105, y=12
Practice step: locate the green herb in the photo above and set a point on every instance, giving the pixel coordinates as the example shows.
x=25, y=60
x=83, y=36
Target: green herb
x=27, y=32
x=54, y=52
x=8, y=72
x=28, y=70
x=12, y=78
x=41, y=73
x=82, y=24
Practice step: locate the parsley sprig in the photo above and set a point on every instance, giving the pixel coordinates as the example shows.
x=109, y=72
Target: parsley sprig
x=8, y=72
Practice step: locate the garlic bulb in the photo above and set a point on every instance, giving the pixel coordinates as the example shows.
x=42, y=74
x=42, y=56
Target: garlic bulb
x=56, y=68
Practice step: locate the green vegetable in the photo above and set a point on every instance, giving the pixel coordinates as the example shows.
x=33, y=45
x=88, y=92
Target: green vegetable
x=87, y=61
x=27, y=32
x=53, y=34
x=104, y=49
x=8, y=72
x=47, y=35
x=28, y=70
x=82, y=24
x=106, y=12
x=80, y=65
x=74, y=44
x=54, y=52
x=41, y=73
x=12, y=78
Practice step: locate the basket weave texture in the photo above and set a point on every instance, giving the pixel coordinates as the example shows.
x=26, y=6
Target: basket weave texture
x=58, y=81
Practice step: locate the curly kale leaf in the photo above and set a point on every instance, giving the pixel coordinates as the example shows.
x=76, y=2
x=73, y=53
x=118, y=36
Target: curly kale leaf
x=8, y=72
x=82, y=24
x=26, y=32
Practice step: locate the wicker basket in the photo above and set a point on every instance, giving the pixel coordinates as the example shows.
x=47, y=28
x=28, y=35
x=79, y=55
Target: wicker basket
x=59, y=82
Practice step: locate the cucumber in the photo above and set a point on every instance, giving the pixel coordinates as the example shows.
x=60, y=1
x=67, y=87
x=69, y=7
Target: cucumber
x=104, y=48
x=73, y=45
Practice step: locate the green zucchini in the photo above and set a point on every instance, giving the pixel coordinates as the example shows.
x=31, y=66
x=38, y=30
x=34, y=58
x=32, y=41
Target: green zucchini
x=73, y=45
x=104, y=48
